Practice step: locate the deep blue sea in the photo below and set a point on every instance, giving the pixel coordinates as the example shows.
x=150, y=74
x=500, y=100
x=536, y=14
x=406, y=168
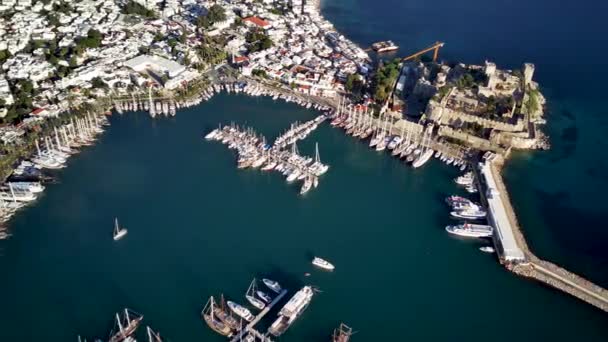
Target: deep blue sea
x=200, y=227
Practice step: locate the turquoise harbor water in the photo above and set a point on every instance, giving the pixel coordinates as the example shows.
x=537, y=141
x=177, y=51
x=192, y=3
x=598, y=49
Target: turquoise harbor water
x=198, y=226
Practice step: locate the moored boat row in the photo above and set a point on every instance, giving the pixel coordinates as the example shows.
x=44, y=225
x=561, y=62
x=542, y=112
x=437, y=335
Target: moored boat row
x=254, y=152
x=404, y=142
x=24, y=185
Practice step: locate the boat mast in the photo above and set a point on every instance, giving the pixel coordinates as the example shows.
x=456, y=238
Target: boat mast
x=119, y=324
x=317, y=157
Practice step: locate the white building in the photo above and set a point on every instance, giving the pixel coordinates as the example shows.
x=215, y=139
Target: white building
x=156, y=63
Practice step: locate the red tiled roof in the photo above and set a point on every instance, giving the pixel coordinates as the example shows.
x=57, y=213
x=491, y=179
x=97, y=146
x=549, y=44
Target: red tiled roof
x=257, y=21
x=38, y=111
x=240, y=59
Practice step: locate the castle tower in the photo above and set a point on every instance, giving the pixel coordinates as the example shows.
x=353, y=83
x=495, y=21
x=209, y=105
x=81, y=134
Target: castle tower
x=528, y=72
x=490, y=71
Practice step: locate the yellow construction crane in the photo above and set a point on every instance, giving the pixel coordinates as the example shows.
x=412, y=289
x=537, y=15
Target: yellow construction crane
x=435, y=47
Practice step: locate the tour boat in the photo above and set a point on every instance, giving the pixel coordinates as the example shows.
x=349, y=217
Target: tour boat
x=241, y=311
x=292, y=310
x=273, y=285
x=119, y=233
x=323, y=264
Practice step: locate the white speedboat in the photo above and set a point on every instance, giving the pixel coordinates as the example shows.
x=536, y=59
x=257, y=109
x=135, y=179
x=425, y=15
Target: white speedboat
x=486, y=249
x=323, y=264
x=273, y=285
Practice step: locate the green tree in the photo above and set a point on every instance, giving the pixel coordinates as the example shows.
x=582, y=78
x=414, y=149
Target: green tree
x=132, y=7
x=215, y=14
x=350, y=82
x=4, y=55
x=53, y=20
x=25, y=86
x=97, y=82
x=172, y=42
x=73, y=61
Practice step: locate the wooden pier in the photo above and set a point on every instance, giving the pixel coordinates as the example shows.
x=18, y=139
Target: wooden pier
x=250, y=327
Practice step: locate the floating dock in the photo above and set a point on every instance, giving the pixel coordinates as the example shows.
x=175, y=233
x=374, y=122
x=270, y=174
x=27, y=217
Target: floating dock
x=250, y=328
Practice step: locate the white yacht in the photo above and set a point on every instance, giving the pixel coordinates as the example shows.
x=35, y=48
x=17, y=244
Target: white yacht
x=211, y=135
x=423, y=158
x=273, y=285
x=306, y=186
x=323, y=264
x=241, y=311
x=33, y=187
x=470, y=214
x=470, y=230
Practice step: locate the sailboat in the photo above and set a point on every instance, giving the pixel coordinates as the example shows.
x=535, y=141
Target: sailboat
x=320, y=167
x=209, y=315
x=342, y=334
x=250, y=295
x=153, y=336
x=119, y=233
x=124, y=331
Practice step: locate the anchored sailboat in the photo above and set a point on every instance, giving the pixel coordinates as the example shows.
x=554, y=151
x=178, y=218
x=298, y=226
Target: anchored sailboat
x=250, y=295
x=119, y=233
x=126, y=326
x=153, y=336
x=342, y=334
x=209, y=315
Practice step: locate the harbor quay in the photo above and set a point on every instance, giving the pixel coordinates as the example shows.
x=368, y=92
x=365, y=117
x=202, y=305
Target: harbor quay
x=511, y=246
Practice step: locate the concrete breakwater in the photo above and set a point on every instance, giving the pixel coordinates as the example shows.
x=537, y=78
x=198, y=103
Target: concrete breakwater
x=532, y=266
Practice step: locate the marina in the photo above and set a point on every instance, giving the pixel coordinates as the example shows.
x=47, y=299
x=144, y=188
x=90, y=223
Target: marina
x=178, y=237
x=254, y=152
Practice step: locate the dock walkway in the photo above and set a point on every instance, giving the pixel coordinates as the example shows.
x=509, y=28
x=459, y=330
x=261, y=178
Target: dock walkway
x=249, y=328
x=532, y=266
